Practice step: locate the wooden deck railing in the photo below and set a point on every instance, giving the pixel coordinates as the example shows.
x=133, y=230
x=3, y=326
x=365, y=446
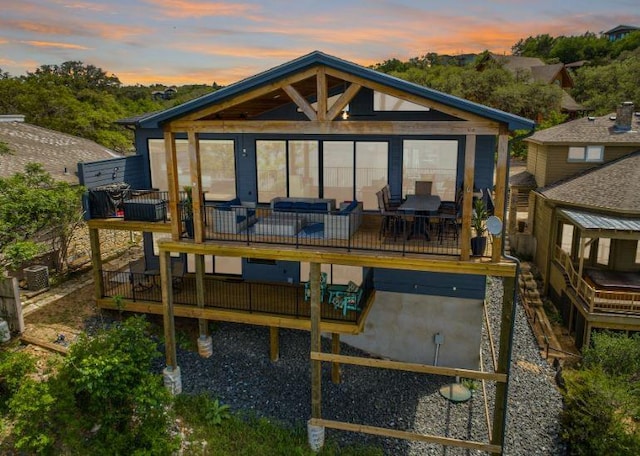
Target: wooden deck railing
x=597, y=300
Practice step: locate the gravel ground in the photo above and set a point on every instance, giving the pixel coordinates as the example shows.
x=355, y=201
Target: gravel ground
x=240, y=373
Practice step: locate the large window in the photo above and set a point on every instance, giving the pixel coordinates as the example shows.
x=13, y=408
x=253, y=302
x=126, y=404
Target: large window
x=217, y=164
x=349, y=168
x=216, y=264
x=271, y=158
x=337, y=167
x=566, y=237
x=304, y=179
x=604, y=247
x=430, y=160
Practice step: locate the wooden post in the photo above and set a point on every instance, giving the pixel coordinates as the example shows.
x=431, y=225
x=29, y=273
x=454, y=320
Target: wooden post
x=316, y=366
x=501, y=187
x=196, y=186
x=586, y=339
x=96, y=262
x=172, y=184
x=274, y=343
x=504, y=355
x=167, y=307
x=467, y=200
x=321, y=94
x=203, y=327
x=335, y=367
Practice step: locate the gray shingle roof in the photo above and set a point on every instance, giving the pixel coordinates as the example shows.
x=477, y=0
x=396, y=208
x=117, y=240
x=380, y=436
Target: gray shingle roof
x=53, y=149
x=584, y=131
x=613, y=187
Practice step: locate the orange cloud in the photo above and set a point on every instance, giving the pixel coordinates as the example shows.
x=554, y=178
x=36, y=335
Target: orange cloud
x=191, y=8
x=50, y=44
x=38, y=27
x=148, y=76
x=95, y=7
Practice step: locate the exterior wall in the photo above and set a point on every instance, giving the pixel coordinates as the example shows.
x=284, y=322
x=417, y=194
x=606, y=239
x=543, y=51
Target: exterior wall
x=129, y=169
x=402, y=327
x=557, y=167
x=542, y=230
x=556, y=279
x=537, y=162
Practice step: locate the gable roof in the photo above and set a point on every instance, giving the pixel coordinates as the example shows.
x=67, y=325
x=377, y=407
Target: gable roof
x=613, y=187
x=53, y=149
x=588, y=130
x=318, y=58
x=621, y=28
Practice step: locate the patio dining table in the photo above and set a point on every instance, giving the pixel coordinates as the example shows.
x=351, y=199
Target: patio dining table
x=422, y=206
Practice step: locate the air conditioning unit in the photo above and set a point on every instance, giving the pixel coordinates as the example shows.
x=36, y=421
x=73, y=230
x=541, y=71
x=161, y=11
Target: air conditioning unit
x=37, y=277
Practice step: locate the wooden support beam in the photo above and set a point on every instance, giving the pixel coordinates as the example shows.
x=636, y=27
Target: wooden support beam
x=501, y=188
x=26, y=339
x=300, y=101
x=504, y=361
x=196, y=186
x=172, y=183
x=467, y=200
x=343, y=101
x=353, y=258
x=203, y=327
x=335, y=366
x=96, y=262
x=350, y=127
x=394, y=433
x=316, y=366
x=129, y=225
x=167, y=306
x=274, y=343
x=409, y=367
x=321, y=94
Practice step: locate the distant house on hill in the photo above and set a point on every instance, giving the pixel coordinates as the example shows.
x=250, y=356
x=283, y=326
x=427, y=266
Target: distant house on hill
x=619, y=32
x=59, y=153
x=532, y=69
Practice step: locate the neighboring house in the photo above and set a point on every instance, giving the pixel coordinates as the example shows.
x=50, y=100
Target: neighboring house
x=284, y=223
x=533, y=69
x=59, y=153
x=584, y=217
x=619, y=32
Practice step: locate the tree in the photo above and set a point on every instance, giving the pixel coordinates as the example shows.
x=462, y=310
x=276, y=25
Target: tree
x=32, y=205
x=538, y=46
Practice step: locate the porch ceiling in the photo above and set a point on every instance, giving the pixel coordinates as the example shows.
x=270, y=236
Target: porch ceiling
x=591, y=221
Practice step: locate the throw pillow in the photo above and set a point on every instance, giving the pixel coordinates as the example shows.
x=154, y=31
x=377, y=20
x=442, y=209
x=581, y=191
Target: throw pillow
x=352, y=287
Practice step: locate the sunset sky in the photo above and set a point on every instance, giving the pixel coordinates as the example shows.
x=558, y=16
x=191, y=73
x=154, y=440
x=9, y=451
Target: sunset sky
x=190, y=41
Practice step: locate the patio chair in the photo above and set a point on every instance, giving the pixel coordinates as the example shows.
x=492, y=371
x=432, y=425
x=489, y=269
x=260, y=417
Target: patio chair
x=345, y=297
x=323, y=287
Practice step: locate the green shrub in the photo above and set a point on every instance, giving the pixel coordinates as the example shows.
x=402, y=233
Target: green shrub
x=597, y=418
x=616, y=353
x=14, y=366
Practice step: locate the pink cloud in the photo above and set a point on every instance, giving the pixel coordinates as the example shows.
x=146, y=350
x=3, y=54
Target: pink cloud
x=191, y=8
x=50, y=44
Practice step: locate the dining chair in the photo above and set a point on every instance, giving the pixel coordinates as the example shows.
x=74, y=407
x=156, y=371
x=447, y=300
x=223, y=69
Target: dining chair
x=423, y=188
x=386, y=193
x=390, y=217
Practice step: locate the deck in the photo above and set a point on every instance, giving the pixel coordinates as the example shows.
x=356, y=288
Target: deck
x=597, y=299
x=230, y=298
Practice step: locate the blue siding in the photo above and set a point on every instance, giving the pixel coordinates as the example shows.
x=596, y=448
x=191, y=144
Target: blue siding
x=113, y=171
x=281, y=271
x=430, y=283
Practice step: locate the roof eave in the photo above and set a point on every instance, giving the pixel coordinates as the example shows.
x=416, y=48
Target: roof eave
x=318, y=58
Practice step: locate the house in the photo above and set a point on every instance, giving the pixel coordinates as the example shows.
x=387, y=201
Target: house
x=584, y=219
x=533, y=69
x=620, y=31
x=59, y=153
x=269, y=202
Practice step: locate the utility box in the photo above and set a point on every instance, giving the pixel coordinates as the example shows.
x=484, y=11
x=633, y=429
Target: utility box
x=37, y=277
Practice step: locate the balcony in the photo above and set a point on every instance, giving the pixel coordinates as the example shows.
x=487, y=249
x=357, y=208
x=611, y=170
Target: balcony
x=598, y=298
x=250, y=301
x=149, y=210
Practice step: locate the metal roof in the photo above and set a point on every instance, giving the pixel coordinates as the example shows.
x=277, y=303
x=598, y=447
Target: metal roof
x=316, y=58
x=591, y=221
